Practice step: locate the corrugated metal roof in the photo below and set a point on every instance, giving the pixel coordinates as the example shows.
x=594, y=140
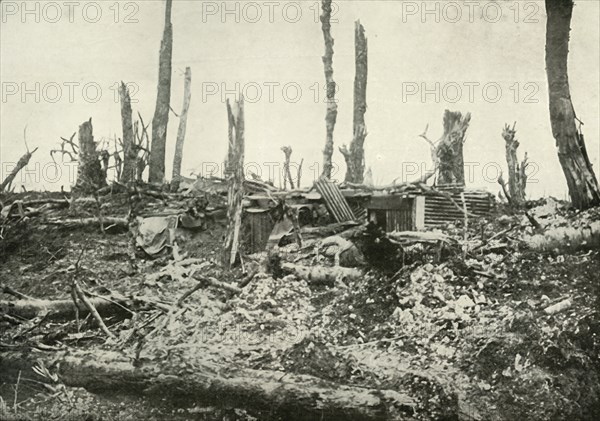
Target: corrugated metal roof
x=334, y=200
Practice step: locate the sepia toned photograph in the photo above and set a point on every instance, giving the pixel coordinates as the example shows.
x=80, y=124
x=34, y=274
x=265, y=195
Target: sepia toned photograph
x=309, y=210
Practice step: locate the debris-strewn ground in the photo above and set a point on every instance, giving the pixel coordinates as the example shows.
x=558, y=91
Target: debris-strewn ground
x=471, y=332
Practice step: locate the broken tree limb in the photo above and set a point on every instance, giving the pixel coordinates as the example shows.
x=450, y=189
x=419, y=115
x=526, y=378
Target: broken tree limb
x=109, y=222
x=286, y=396
x=22, y=163
x=217, y=284
x=91, y=308
x=331, y=115
x=324, y=275
x=187, y=97
x=235, y=193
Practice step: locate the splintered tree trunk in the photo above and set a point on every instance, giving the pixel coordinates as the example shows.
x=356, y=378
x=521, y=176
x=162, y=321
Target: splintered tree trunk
x=449, y=151
x=572, y=154
x=236, y=182
x=163, y=101
x=187, y=97
x=90, y=176
x=287, y=176
x=517, y=178
x=331, y=115
x=129, y=154
x=355, y=157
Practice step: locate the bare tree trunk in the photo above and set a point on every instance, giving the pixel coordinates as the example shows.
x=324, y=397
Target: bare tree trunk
x=182, y=126
x=355, y=157
x=331, y=115
x=90, y=176
x=235, y=181
x=287, y=175
x=449, y=150
x=517, y=178
x=572, y=154
x=129, y=154
x=163, y=103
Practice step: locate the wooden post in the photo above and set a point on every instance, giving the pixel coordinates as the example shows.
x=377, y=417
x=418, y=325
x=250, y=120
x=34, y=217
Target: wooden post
x=187, y=97
x=331, y=115
x=517, y=178
x=235, y=180
x=355, y=157
x=287, y=174
x=90, y=176
x=163, y=103
x=449, y=150
x=129, y=154
x=581, y=180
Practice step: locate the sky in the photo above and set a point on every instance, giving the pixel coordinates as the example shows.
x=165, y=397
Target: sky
x=60, y=63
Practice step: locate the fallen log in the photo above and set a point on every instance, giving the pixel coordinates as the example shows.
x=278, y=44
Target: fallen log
x=60, y=309
x=408, y=237
x=322, y=275
x=109, y=222
x=278, y=395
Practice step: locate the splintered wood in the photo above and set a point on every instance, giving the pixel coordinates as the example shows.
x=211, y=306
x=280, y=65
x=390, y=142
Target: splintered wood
x=235, y=179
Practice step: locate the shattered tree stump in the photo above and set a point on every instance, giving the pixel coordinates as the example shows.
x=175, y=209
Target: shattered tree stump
x=355, y=155
x=90, y=176
x=235, y=195
x=449, y=151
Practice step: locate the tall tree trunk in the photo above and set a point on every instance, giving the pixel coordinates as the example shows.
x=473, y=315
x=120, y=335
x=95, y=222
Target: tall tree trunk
x=331, y=115
x=129, y=155
x=163, y=102
x=449, y=150
x=187, y=97
x=572, y=154
x=235, y=181
x=355, y=157
x=517, y=178
x=90, y=176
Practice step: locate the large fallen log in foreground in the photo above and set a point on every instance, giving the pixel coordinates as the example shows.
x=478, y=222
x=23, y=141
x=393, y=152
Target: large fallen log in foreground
x=278, y=395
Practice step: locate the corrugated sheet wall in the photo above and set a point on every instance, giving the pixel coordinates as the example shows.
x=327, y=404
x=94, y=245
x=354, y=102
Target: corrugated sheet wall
x=440, y=210
x=335, y=201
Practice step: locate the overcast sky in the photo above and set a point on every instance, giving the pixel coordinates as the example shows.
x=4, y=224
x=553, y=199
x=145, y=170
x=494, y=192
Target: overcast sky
x=481, y=57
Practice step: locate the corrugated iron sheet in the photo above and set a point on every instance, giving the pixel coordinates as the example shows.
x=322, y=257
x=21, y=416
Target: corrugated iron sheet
x=334, y=200
x=440, y=210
